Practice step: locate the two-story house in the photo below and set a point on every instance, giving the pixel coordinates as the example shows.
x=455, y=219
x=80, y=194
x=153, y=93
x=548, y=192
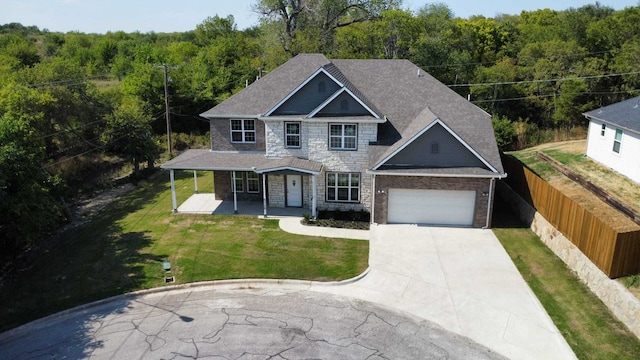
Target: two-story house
x=375, y=135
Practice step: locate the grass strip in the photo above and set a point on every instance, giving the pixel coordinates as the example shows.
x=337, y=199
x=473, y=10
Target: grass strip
x=586, y=323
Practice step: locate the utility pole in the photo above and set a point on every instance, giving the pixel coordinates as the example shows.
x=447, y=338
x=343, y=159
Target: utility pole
x=166, y=104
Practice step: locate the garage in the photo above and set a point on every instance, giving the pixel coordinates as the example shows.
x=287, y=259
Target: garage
x=434, y=207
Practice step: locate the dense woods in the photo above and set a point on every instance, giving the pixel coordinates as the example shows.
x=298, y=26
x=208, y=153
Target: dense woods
x=73, y=105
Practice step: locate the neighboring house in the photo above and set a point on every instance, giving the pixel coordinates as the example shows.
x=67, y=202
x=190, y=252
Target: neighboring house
x=375, y=135
x=614, y=137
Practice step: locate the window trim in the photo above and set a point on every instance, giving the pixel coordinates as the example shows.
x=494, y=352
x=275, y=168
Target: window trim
x=336, y=187
x=243, y=132
x=342, y=137
x=617, y=141
x=287, y=135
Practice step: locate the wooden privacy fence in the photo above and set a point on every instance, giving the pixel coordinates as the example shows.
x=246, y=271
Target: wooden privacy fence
x=615, y=253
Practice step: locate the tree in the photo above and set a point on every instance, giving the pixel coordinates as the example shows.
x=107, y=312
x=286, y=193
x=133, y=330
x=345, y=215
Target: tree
x=505, y=132
x=128, y=134
x=28, y=194
x=315, y=21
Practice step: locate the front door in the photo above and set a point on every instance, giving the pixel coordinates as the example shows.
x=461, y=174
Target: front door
x=294, y=190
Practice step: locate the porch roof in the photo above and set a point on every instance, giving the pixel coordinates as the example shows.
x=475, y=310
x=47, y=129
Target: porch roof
x=202, y=159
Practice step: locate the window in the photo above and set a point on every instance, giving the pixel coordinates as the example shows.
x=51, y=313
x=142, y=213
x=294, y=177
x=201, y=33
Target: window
x=243, y=131
x=343, y=187
x=253, y=182
x=237, y=180
x=617, y=141
x=435, y=148
x=343, y=136
x=603, y=130
x=292, y=135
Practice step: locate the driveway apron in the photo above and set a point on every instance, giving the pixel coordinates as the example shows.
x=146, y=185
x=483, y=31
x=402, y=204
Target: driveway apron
x=463, y=280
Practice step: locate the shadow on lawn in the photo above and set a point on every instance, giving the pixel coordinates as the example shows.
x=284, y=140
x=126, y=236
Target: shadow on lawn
x=91, y=262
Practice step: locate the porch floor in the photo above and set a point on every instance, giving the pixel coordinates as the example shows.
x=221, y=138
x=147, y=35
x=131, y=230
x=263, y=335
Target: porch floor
x=206, y=203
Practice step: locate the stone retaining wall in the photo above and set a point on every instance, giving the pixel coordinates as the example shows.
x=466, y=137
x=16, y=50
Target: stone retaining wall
x=615, y=296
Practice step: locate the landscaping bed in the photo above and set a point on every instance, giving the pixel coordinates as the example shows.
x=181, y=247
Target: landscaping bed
x=358, y=220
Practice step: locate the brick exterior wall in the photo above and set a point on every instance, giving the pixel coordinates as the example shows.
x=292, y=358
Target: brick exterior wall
x=221, y=137
x=480, y=186
x=222, y=181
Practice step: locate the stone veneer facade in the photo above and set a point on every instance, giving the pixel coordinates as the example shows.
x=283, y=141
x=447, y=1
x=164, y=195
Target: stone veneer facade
x=621, y=302
x=314, y=145
x=479, y=185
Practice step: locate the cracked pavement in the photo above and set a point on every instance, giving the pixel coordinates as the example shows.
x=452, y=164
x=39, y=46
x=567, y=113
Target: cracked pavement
x=229, y=322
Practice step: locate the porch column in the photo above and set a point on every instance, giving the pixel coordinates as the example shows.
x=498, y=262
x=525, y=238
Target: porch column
x=195, y=180
x=235, y=195
x=314, y=195
x=173, y=191
x=264, y=194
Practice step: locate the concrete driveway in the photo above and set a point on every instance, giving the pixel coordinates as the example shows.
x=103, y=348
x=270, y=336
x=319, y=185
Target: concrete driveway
x=463, y=280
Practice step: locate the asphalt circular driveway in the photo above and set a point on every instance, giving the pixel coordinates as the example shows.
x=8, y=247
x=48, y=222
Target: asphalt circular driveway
x=237, y=323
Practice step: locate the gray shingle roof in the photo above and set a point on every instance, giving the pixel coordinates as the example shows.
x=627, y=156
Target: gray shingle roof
x=397, y=89
x=625, y=114
x=200, y=159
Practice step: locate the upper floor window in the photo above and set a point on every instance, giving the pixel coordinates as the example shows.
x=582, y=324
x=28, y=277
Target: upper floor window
x=343, y=136
x=617, y=142
x=243, y=131
x=292, y=134
x=435, y=148
x=603, y=130
x=343, y=187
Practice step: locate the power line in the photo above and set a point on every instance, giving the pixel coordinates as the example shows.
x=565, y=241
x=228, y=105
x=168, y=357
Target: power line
x=546, y=80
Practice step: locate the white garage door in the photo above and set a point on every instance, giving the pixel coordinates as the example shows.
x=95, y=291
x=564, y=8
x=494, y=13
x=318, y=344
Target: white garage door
x=435, y=207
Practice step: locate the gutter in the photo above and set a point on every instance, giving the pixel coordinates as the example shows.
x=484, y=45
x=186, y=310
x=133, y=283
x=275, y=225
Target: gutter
x=393, y=173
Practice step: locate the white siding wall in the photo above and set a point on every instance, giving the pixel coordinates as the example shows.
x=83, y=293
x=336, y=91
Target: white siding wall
x=600, y=149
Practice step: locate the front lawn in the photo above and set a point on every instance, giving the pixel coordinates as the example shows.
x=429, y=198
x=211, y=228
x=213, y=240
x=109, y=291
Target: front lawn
x=585, y=322
x=123, y=248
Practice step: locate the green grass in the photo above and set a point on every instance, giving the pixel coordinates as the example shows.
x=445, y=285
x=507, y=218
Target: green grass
x=122, y=250
x=585, y=322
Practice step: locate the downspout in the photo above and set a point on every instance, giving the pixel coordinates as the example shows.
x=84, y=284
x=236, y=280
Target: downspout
x=489, y=202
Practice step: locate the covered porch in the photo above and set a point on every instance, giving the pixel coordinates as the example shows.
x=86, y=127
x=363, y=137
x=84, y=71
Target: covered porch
x=206, y=203
x=241, y=180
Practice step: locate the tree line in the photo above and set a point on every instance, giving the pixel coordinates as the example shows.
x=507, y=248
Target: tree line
x=73, y=103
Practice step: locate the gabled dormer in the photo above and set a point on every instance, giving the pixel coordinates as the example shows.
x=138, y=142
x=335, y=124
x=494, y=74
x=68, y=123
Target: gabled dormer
x=435, y=147
x=323, y=95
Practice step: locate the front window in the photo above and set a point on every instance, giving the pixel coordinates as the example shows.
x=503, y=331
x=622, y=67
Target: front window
x=343, y=187
x=292, y=135
x=236, y=181
x=243, y=131
x=343, y=136
x=617, y=141
x=253, y=182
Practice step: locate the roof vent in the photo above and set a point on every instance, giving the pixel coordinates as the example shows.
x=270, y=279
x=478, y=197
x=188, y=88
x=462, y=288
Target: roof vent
x=419, y=72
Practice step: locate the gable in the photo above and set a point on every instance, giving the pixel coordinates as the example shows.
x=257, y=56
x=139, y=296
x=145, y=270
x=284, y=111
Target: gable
x=434, y=148
x=342, y=105
x=309, y=96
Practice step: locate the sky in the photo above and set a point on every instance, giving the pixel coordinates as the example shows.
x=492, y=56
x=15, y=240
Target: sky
x=101, y=16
